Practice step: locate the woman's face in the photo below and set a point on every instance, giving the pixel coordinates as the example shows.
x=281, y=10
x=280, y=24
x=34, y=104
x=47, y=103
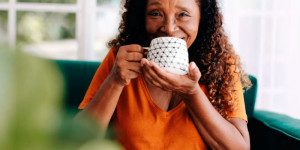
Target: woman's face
x=174, y=18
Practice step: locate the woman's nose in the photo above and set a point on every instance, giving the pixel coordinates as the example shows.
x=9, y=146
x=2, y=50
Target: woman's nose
x=169, y=26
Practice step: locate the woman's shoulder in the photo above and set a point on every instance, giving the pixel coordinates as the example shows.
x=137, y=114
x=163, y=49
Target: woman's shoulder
x=110, y=57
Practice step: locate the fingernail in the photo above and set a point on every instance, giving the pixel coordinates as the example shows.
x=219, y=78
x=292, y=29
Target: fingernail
x=193, y=66
x=146, y=62
x=142, y=63
x=146, y=48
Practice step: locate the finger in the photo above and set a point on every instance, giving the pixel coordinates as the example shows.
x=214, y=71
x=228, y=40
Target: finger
x=195, y=73
x=124, y=76
x=150, y=70
x=145, y=54
x=132, y=74
x=134, y=48
x=165, y=76
x=134, y=66
x=150, y=81
x=134, y=56
x=147, y=75
x=144, y=61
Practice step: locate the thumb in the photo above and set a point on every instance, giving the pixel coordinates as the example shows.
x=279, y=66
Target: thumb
x=195, y=73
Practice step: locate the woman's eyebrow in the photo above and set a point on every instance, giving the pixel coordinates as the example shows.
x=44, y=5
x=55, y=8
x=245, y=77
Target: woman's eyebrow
x=177, y=6
x=154, y=3
x=182, y=7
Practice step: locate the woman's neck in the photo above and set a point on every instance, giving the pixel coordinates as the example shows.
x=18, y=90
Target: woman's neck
x=166, y=100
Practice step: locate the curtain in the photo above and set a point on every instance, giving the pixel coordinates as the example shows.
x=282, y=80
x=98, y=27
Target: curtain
x=266, y=35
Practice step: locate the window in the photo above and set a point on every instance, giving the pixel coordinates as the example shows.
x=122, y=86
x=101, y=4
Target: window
x=60, y=29
x=48, y=1
x=3, y=27
x=107, y=24
x=47, y=34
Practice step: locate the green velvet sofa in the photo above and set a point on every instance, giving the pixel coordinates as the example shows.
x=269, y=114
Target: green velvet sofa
x=268, y=130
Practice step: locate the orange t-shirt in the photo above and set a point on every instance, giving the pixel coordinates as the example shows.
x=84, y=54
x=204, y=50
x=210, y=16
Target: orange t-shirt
x=141, y=124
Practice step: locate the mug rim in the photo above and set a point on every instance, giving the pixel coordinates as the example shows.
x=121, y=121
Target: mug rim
x=167, y=37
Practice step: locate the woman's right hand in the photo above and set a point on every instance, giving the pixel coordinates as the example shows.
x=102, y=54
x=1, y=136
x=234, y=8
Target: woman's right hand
x=128, y=64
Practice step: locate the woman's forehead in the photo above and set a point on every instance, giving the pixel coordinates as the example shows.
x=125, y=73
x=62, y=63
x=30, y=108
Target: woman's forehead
x=172, y=2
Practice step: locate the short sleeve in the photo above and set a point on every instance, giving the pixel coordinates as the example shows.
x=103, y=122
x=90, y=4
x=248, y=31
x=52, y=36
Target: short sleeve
x=239, y=110
x=100, y=75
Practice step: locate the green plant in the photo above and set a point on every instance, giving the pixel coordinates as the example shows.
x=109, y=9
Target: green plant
x=31, y=112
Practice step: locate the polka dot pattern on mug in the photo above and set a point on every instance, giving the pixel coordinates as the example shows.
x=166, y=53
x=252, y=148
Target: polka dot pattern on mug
x=170, y=53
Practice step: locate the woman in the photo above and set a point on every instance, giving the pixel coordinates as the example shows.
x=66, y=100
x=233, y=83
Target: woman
x=153, y=109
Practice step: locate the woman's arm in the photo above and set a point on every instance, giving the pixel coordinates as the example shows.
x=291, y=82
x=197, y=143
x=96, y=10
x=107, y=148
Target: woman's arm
x=217, y=132
x=126, y=67
x=103, y=104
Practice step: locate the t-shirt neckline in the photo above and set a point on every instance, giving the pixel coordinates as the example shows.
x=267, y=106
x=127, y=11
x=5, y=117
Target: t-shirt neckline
x=154, y=105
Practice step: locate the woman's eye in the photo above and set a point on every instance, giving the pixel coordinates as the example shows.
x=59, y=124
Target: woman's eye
x=183, y=14
x=154, y=13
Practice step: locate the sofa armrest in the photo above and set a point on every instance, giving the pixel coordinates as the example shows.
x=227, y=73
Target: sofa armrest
x=279, y=122
x=270, y=130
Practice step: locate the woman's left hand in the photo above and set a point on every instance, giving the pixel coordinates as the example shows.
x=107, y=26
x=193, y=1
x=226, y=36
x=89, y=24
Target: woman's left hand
x=184, y=85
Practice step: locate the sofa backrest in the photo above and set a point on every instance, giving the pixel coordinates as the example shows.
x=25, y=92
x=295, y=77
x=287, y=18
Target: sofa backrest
x=250, y=97
x=79, y=74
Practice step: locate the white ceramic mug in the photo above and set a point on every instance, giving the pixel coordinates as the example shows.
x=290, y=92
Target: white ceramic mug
x=170, y=53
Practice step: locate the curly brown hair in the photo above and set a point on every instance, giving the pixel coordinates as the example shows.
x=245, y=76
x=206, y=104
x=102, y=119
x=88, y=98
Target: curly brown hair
x=211, y=51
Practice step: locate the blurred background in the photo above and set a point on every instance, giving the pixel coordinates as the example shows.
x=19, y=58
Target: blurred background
x=60, y=29
x=265, y=33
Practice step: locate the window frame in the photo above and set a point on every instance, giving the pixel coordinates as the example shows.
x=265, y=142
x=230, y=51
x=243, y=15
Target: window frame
x=85, y=11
